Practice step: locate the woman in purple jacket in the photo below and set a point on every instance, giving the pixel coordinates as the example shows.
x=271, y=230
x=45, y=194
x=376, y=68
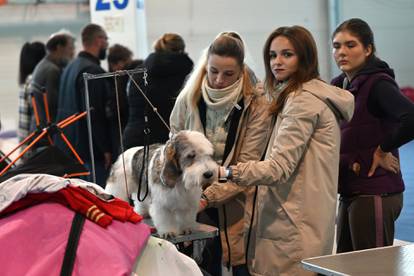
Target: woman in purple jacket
x=370, y=182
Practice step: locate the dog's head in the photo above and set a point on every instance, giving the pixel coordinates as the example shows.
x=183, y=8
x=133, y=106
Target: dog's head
x=188, y=159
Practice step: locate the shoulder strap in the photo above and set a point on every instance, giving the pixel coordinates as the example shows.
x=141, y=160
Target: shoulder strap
x=72, y=245
x=202, y=109
x=234, y=124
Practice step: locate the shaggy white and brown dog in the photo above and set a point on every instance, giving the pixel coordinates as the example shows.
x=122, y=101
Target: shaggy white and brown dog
x=177, y=171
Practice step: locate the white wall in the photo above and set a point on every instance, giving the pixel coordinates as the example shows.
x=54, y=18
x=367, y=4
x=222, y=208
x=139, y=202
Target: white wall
x=393, y=26
x=21, y=23
x=200, y=21
x=197, y=21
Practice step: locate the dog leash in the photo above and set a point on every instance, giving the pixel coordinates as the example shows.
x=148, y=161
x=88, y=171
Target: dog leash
x=145, y=156
x=120, y=134
x=154, y=108
x=144, y=168
x=147, y=131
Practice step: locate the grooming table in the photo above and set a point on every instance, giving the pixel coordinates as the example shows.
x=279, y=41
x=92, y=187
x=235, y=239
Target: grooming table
x=384, y=261
x=202, y=232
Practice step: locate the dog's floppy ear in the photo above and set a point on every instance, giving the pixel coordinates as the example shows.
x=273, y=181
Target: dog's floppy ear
x=170, y=171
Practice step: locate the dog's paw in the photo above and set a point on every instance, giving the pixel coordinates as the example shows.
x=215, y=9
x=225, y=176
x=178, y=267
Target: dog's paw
x=187, y=231
x=168, y=235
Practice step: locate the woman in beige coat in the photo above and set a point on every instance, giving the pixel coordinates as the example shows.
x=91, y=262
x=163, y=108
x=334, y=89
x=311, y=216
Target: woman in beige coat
x=220, y=101
x=298, y=178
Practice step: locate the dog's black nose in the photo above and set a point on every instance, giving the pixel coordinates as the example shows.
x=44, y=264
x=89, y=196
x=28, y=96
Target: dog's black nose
x=208, y=174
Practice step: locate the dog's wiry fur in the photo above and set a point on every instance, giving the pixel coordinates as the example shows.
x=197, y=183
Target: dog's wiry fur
x=177, y=172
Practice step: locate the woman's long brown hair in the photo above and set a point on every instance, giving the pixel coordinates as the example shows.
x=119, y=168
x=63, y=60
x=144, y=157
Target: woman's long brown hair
x=305, y=48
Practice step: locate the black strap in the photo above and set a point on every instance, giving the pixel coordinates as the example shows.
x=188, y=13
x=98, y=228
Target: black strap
x=249, y=233
x=231, y=138
x=228, y=264
x=143, y=180
x=202, y=110
x=72, y=245
x=234, y=125
x=254, y=201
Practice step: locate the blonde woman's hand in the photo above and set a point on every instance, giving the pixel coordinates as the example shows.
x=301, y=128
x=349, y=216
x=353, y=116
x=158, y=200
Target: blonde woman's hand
x=384, y=160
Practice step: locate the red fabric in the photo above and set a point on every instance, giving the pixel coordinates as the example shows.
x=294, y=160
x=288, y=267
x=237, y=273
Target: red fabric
x=80, y=200
x=408, y=92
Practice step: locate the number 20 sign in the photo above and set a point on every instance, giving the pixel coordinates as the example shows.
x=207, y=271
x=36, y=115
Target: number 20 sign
x=105, y=5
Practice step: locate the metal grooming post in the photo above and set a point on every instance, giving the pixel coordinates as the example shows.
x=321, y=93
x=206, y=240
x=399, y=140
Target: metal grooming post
x=86, y=78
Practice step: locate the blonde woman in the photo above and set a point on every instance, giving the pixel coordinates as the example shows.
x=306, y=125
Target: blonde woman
x=220, y=101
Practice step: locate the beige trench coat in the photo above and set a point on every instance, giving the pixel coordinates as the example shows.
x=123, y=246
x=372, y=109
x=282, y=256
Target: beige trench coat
x=298, y=180
x=234, y=202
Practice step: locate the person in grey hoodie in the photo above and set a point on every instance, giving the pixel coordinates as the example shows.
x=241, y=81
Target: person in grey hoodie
x=299, y=176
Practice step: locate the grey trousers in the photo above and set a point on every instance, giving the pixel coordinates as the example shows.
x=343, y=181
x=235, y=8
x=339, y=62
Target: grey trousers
x=367, y=221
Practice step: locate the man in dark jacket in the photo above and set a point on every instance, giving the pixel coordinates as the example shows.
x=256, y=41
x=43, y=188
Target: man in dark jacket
x=46, y=75
x=72, y=100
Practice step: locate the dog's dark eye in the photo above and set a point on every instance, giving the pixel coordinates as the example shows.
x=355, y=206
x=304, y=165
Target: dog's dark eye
x=191, y=156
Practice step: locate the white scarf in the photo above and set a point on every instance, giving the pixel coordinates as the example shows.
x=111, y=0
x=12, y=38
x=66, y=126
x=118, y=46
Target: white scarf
x=220, y=103
x=219, y=99
x=277, y=89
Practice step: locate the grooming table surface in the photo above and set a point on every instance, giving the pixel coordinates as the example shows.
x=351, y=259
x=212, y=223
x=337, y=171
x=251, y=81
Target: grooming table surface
x=391, y=260
x=202, y=232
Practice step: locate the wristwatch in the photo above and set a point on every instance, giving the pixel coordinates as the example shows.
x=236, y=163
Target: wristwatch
x=224, y=174
x=229, y=173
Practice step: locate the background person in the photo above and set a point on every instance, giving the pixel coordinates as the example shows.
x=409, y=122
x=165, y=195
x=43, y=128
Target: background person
x=72, y=101
x=46, y=75
x=30, y=55
x=119, y=58
x=370, y=181
x=167, y=68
